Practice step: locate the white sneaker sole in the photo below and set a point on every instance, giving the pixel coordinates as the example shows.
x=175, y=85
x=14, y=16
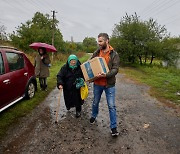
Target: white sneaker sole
x=116, y=134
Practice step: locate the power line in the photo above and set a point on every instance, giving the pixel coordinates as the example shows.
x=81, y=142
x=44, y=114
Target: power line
x=32, y=4
x=170, y=18
x=50, y=4
x=157, y=7
x=19, y=8
x=43, y=5
x=39, y=7
x=172, y=21
x=149, y=7
x=162, y=10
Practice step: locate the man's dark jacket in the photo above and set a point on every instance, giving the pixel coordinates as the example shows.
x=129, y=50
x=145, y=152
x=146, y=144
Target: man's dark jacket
x=113, y=66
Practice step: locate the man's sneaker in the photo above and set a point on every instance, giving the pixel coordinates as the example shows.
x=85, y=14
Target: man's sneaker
x=114, y=132
x=92, y=120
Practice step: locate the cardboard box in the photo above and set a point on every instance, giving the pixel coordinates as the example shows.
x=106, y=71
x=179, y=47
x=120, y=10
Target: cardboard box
x=92, y=67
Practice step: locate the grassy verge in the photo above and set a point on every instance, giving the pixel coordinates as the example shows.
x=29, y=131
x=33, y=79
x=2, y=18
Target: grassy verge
x=165, y=83
x=20, y=109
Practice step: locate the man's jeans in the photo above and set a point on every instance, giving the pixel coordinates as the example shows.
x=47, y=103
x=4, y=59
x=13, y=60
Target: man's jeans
x=110, y=97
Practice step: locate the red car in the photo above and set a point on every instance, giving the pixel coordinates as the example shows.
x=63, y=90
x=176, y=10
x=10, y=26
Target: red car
x=17, y=78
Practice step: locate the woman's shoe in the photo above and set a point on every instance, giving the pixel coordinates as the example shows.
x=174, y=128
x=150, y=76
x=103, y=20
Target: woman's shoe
x=78, y=114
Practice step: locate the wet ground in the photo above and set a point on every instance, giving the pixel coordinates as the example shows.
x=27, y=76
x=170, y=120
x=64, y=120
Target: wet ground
x=146, y=126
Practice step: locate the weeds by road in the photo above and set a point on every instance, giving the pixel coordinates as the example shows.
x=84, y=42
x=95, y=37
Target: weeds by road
x=164, y=82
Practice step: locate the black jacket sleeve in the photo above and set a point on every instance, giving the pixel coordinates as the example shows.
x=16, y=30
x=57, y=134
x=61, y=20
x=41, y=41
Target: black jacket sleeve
x=61, y=76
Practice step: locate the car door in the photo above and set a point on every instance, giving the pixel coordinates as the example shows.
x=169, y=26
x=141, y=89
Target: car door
x=18, y=74
x=4, y=83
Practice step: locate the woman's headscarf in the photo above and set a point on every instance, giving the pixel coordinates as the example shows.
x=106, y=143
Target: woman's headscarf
x=72, y=57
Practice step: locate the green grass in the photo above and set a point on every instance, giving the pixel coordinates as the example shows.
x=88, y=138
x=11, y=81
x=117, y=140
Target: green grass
x=22, y=108
x=164, y=82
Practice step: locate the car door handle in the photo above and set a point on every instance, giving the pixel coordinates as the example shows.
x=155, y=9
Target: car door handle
x=26, y=74
x=6, y=81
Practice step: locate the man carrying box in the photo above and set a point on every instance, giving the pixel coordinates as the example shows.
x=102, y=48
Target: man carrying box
x=106, y=82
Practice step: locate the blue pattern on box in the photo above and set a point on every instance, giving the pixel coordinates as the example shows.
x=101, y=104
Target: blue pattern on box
x=102, y=64
x=89, y=70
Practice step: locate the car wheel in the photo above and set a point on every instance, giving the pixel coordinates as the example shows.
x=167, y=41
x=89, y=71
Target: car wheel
x=30, y=91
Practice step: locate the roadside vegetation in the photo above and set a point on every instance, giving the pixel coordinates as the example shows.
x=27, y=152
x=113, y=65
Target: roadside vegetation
x=164, y=82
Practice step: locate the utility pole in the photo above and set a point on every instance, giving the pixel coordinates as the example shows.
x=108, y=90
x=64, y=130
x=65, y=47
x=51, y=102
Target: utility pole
x=53, y=28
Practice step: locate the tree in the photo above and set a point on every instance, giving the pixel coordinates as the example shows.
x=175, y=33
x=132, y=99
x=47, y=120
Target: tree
x=155, y=36
x=123, y=47
x=131, y=32
x=39, y=29
x=90, y=44
x=3, y=35
x=138, y=40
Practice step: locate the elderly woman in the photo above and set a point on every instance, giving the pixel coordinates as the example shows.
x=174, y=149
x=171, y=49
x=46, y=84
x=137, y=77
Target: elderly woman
x=66, y=80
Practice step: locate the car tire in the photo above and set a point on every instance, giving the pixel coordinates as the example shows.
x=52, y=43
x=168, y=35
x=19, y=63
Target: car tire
x=30, y=90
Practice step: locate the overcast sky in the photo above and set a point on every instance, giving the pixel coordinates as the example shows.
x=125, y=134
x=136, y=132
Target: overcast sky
x=87, y=18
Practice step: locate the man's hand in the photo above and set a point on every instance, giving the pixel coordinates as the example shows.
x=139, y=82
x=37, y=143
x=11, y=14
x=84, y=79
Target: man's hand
x=101, y=75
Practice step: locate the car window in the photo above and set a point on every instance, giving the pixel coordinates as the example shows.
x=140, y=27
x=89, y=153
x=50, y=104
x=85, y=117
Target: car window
x=15, y=61
x=1, y=65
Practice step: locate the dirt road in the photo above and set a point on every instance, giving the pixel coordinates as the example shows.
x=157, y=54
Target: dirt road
x=145, y=125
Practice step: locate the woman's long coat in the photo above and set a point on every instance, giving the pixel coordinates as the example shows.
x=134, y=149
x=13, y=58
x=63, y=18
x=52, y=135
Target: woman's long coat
x=41, y=66
x=67, y=77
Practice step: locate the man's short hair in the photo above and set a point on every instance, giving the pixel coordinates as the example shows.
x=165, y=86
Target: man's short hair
x=104, y=35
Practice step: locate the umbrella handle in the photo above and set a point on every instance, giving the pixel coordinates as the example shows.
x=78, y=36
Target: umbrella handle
x=58, y=106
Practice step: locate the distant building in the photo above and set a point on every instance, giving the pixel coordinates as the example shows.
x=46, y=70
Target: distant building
x=72, y=39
